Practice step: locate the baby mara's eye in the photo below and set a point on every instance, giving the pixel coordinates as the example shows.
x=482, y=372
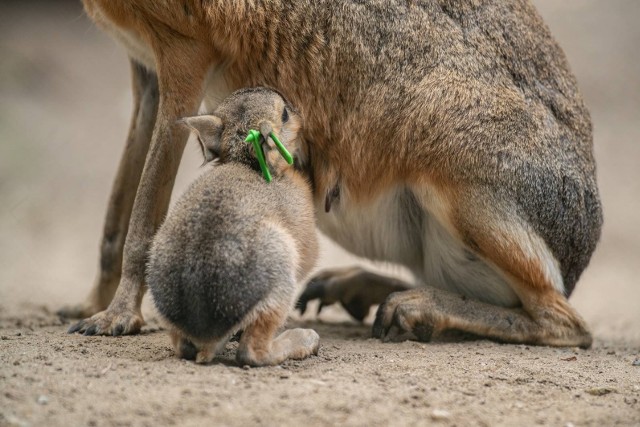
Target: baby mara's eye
x=285, y=115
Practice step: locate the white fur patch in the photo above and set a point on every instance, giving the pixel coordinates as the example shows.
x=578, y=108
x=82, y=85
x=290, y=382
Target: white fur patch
x=379, y=230
x=535, y=250
x=396, y=229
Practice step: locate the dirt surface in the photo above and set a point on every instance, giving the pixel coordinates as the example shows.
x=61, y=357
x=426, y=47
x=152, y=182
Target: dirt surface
x=64, y=108
x=50, y=378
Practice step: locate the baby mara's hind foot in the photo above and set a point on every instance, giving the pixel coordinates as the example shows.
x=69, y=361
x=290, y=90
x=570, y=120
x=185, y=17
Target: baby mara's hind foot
x=294, y=344
x=260, y=347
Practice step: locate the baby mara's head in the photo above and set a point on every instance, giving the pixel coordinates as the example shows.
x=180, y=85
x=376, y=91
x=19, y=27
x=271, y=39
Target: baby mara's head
x=222, y=134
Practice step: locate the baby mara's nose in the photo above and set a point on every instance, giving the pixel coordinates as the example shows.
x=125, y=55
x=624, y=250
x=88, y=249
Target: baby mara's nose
x=265, y=131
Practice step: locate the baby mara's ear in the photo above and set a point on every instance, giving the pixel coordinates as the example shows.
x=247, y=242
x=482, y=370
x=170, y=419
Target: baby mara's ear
x=208, y=129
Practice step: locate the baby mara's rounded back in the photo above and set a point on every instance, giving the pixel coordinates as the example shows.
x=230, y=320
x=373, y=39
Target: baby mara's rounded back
x=233, y=248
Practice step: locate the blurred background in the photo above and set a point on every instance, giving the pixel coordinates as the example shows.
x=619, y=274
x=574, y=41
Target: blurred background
x=64, y=112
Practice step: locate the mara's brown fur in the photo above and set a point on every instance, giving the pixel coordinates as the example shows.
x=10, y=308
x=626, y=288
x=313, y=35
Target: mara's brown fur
x=457, y=124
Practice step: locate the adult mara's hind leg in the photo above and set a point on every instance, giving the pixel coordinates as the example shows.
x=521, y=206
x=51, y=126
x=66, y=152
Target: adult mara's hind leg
x=499, y=236
x=123, y=192
x=354, y=287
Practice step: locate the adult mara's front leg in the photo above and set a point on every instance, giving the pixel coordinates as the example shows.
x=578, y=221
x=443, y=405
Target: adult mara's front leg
x=123, y=192
x=355, y=288
x=181, y=66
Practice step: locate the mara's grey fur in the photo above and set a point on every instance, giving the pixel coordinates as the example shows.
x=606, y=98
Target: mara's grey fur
x=232, y=249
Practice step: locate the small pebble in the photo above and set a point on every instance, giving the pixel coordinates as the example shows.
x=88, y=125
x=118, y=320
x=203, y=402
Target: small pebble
x=569, y=424
x=246, y=367
x=636, y=362
x=440, y=414
x=42, y=400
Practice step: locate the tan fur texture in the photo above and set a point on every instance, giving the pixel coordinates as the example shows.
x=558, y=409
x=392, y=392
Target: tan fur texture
x=457, y=124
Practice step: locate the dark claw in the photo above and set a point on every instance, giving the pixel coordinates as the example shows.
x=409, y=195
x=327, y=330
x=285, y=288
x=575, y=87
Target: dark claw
x=118, y=330
x=378, y=327
x=314, y=290
x=357, y=308
x=301, y=305
x=91, y=330
x=76, y=327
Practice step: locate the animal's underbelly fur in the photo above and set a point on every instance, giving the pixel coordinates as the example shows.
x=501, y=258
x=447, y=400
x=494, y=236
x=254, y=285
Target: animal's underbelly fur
x=396, y=229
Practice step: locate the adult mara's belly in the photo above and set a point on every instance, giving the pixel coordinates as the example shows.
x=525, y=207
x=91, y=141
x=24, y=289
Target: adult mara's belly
x=388, y=228
x=395, y=228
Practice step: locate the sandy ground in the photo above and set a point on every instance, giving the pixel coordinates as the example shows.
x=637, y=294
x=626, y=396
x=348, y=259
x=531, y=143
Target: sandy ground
x=64, y=108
